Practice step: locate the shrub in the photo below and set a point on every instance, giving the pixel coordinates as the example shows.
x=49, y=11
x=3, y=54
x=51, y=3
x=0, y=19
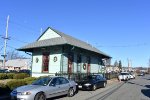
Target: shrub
x=20, y=76
x=4, y=89
x=3, y=76
x=15, y=83
x=29, y=80
x=10, y=75
x=2, y=85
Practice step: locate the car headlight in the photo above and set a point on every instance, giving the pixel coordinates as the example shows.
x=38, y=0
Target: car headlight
x=87, y=84
x=24, y=93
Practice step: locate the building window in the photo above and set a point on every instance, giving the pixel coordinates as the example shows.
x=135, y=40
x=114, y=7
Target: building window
x=45, y=63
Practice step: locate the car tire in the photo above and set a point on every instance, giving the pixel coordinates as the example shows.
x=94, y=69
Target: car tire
x=70, y=92
x=104, y=84
x=94, y=87
x=40, y=96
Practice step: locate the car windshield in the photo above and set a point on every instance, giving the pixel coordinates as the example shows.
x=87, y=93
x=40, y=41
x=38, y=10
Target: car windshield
x=92, y=77
x=42, y=81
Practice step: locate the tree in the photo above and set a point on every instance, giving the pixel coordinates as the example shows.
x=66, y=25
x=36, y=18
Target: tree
x=14, y=55
x=120, y=65
x=116, y=63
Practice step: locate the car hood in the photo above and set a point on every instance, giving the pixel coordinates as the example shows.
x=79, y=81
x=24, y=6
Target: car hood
x=27, y=88
x=85, y=81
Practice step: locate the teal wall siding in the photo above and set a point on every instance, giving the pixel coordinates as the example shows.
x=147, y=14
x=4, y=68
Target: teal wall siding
x=64, y=63
x=94, y=65
x=75, y=63
x=61, y=65
x=83, y=62
x=37, y=66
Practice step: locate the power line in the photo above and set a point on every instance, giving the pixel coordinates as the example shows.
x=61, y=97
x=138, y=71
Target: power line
x=18, y=40
x=124, y=46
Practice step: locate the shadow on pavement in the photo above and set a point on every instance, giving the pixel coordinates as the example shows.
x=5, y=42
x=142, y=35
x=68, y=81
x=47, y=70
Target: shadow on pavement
x=135, y=84
x=146, y=92
x=146, y=78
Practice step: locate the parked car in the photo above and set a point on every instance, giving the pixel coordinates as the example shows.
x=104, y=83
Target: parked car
x=124, y=76
x=132, y=76
x=141, y=74
x=44, y=88
x=4, y=71
x=92, y=82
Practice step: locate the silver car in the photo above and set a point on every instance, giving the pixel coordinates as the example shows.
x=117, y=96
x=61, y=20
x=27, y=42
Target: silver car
x=44, y=88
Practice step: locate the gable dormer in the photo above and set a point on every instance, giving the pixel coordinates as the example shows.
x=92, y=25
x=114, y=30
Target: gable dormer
x=48, y=34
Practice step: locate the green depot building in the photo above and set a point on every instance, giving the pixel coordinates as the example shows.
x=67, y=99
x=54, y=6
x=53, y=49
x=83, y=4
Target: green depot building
x=56, y=53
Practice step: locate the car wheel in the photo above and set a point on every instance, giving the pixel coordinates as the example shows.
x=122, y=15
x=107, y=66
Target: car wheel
x=94, y=87
x=40, y=96
x=70, y=92
x=104, y=84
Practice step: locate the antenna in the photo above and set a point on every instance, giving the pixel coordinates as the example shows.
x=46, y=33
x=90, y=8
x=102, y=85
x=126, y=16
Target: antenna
x=5, y=42
x=41, y=31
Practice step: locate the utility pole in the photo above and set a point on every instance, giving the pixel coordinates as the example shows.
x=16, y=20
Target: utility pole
x=128, y=64
x=148, y=66
x=5, y=43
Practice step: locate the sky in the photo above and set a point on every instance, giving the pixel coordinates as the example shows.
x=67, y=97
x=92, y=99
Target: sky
x=120, y=28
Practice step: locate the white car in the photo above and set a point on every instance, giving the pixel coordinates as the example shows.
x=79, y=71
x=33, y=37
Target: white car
x=124, y=76
x=44, y=88
x=132, y=76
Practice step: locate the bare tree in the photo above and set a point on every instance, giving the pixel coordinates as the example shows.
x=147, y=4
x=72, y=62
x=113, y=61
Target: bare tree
x=14, y=55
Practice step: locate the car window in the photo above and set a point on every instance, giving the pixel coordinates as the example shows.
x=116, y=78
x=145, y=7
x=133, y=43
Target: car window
x=98, y=77
x=55, y=81
x=42, y=81
x=124, y=74
x=63, y=80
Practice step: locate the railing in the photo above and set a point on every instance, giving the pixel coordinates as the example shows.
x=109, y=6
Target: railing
x=79, y=76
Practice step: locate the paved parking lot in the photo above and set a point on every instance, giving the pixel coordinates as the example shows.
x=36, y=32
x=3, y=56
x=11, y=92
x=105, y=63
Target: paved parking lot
x=136, y=89
x=85, y=95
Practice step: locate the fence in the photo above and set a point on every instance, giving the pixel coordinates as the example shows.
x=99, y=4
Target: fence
x=79, y=76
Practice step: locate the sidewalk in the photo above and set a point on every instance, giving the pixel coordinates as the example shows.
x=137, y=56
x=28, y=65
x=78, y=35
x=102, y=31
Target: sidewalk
x=111, y=81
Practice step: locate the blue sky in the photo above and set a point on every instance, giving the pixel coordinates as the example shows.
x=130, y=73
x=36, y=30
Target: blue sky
x=120, y=28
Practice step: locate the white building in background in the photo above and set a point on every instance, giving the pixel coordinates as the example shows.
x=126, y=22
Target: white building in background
x=18, y=64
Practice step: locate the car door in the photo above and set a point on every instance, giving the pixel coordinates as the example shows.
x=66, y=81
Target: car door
x=54, y=88
x=64, y=85
x=101, y=81
x=98, y=81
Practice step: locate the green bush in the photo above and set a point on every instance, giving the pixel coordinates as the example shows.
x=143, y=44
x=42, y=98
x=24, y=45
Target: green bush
x=29, y=80
x=21, y=76
x=15, y=83
x=2, y=85
x=4, y=90
x=3, y=76
x=10, y=75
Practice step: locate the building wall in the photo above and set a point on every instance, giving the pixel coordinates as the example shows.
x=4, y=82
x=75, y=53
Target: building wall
x=48, y=35
x=53, y=66
x=95, y=68
x=61, y=65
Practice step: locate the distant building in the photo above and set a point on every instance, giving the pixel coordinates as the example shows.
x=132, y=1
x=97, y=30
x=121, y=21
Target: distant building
x=18, y=64
x=112, y=68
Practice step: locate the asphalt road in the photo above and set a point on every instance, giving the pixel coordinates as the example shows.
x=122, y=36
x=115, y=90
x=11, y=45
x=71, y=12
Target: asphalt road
x=137, y=89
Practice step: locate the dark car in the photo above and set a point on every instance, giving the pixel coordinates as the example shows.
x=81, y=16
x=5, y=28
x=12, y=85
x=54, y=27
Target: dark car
x=92, y=82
